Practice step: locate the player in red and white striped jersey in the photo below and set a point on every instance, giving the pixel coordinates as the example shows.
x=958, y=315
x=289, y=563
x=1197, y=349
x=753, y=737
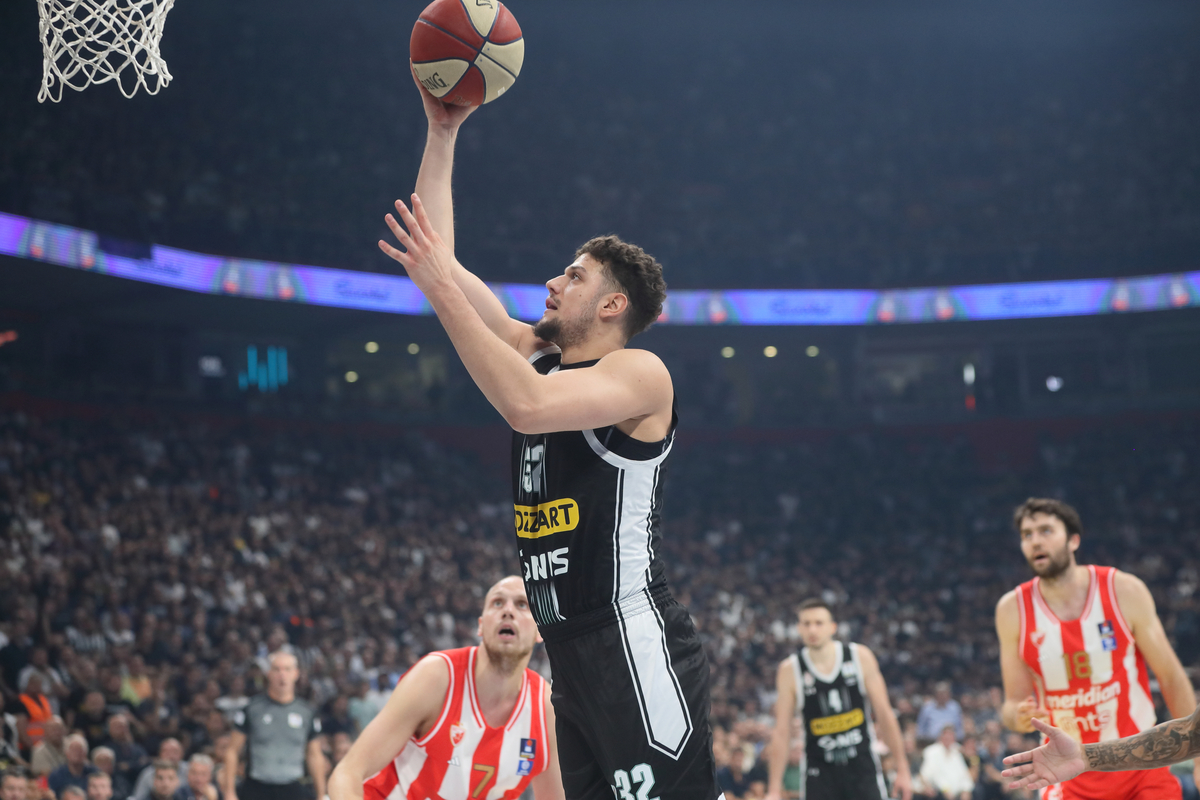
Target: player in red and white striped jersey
x=474, y=722
x=1075, y=643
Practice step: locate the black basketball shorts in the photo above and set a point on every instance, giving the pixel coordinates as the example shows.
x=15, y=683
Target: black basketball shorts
x=834, y=783
x=631, y=700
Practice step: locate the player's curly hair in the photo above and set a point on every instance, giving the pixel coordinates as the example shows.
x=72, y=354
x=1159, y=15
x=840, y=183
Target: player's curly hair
x=636, y=274
x=1048, y=505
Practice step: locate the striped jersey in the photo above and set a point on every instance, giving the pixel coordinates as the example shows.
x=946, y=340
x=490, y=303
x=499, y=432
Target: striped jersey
x=1089, y=673
x=462, y=756
x=838, y=728
x=587, y=514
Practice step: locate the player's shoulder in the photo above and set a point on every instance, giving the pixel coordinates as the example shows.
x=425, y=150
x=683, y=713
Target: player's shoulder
x=637, y=365
x=633, y=359
x=1008, y=601
x=863, y=653
x=1132, y=594
x=1126, y=580
x=435, y=670
x=1008, y=610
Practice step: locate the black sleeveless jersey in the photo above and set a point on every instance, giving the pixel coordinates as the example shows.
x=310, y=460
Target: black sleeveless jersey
x=587, y=510
x=838, y=730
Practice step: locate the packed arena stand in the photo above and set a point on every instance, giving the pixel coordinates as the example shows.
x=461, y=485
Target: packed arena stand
x=903, y=148
x=151, y=563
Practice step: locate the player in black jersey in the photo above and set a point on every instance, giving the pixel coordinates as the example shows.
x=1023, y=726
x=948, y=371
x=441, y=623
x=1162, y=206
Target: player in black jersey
x=593, y=426
x=834, y=686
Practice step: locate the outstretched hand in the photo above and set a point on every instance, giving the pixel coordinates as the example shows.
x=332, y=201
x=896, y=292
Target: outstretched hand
x=425, y=257
x=1059, y=759
x=440, y=115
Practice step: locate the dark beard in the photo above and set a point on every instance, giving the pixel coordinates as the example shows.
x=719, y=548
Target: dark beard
x=1059, y=563
x=565, y=336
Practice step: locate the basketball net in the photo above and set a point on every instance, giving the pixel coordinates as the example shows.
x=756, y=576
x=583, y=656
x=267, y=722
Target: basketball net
x=95, y=41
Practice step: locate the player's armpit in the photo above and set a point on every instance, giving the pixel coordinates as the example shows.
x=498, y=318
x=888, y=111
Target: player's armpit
x=624, y=385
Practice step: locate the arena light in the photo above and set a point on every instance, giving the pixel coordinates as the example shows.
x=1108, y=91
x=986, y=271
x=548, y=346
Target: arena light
x=351, y=377
x=371, y=347
x=812, y=351
x=414, y=348
x=969, y=374
x=727, y=352
x=770, y=351
x=1054, y=383
x=211, y=367
x=7, y=336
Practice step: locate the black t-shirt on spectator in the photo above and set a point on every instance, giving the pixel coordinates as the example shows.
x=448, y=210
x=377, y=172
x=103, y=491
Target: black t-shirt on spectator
x=94, y=728
x=14, y=657
x=131, y=759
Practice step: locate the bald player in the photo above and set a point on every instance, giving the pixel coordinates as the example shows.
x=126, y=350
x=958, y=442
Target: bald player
x=474, y=722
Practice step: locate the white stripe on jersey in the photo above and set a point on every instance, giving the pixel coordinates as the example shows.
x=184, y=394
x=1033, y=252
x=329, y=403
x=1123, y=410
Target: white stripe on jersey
x=665, y=714
x=636, y=485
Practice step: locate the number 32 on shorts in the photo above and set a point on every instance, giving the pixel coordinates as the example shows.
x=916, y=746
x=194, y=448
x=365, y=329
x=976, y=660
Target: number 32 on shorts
x=641, y=777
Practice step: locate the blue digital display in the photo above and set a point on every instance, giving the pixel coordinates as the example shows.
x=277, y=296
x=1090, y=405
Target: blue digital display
x=166, y=266
x=267, y=375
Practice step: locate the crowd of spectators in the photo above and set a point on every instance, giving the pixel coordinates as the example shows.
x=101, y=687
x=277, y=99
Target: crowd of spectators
x=810, y=146
x=150, y=563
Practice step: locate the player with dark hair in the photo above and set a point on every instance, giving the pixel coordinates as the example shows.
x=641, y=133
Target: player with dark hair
x=1075, y=644
x=593, y=425
x=834, y=687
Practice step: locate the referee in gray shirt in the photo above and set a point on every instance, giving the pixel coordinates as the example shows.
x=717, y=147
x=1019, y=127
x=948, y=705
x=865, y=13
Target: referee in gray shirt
x=280, y=733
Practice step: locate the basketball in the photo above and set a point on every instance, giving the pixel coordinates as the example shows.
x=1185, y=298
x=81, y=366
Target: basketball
x=467, y=52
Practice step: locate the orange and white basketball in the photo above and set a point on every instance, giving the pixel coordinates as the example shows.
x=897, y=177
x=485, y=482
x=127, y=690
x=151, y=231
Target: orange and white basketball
x=467, y=52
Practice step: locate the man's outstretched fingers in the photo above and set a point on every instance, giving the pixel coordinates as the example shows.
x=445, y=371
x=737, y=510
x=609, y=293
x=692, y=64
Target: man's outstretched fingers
x=422, y=217
x=415, y=234
x=401, y=234
x=393, y=253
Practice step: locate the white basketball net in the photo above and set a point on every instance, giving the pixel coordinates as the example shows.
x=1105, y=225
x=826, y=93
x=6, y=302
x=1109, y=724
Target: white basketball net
x=95, y=41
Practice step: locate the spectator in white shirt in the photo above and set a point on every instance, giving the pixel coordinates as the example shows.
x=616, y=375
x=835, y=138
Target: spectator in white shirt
x=944, y=771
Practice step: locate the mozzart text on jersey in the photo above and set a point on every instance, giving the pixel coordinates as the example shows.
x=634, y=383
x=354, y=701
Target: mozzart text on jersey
x=544, y=519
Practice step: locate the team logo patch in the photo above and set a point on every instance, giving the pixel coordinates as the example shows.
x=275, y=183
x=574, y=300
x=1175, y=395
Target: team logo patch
x=528, y=748
x=457, y=732
x=267, y=719
x=1108, y=639
x=1038, y=637
x=525, y=766
x=295, y=720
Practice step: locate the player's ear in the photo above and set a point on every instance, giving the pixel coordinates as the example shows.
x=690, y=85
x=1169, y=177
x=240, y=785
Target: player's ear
x=479, y=627
x=613, y=305
x=1073, y=542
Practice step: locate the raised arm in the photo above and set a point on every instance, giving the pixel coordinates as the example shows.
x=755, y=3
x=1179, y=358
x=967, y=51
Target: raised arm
x=1020, y=701
x=625, y=385
x=413, y=708
x=885, y=719
x=434, y=189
